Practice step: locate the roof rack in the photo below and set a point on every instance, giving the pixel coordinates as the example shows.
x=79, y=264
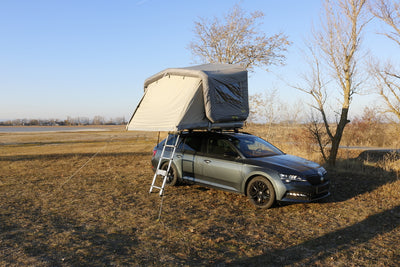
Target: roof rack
x=216, y=130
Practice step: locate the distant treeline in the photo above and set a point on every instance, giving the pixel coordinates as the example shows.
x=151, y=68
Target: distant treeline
x=77, y=121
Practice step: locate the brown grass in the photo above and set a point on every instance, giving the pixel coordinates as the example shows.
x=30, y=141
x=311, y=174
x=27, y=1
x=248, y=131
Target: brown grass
x=103, y=215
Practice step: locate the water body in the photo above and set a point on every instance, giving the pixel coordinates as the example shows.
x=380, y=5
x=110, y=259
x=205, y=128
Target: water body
x=31, y=129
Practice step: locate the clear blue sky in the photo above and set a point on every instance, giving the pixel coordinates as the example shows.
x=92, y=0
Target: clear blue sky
x=87, y=58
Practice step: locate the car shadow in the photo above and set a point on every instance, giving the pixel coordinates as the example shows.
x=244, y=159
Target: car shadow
x=355, y=176
x=314, y=250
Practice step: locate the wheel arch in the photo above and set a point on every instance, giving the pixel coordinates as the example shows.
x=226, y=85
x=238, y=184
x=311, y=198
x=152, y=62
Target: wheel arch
x=178, y=170
x=278, y=186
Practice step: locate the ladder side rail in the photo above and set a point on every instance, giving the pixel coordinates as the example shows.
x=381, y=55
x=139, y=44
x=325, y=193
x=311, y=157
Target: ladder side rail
x=164, y=174
x=158, y=165
x=170, y=159
x=162, y=153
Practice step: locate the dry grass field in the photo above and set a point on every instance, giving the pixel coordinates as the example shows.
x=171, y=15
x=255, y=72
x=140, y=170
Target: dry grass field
x=81, y=199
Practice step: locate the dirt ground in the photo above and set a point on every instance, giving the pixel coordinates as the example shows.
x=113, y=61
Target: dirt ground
x=81, y=199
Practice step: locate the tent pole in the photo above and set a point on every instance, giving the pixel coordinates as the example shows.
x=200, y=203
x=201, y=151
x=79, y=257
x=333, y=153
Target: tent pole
x=158, y=138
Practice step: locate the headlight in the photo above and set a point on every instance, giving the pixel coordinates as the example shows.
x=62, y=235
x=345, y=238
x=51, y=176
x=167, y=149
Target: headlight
x=287, y=178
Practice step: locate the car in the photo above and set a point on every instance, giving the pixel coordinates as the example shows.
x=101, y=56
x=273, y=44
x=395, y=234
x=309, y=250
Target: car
x=242, y=163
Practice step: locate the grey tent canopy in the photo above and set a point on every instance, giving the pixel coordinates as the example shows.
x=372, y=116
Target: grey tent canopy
x=205, y=96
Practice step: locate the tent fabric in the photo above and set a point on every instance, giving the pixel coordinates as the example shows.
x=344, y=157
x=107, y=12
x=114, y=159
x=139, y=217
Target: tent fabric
x=204, y=96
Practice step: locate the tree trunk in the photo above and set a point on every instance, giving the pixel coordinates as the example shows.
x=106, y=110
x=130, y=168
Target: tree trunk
x=338, y=137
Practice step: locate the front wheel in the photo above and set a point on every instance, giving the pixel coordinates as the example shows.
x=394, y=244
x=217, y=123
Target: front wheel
x=261, y=192
x=172, y=177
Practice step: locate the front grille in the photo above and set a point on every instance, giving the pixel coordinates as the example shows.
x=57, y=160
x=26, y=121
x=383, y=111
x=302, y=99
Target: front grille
x=316, y=179
x=317, y=192
x=323, y=189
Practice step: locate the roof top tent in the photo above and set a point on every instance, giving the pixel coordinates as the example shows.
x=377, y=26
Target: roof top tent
x=210, y=96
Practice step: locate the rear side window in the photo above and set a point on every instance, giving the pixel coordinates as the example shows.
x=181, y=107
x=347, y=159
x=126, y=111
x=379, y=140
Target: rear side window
x=192, y=143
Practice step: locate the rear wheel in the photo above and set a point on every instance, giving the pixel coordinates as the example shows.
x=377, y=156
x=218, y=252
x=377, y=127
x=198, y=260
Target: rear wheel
x=172, y=177
x=261, y=192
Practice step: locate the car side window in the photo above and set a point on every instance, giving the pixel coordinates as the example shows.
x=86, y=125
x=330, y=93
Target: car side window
x=192, y=143
x=220, y=148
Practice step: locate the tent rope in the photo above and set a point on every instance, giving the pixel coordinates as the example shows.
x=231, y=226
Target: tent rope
x=87, y=162
x=161, y=205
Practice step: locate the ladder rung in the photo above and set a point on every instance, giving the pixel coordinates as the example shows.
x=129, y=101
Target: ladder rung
x=169, y=145
x=161, y=172
x=158, y=187
x=168, y=158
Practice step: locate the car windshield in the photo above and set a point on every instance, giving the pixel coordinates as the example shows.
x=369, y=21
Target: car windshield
x=254, y=147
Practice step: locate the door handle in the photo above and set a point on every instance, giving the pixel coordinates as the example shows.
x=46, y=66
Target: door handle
x=207, y=161
x=179, y=156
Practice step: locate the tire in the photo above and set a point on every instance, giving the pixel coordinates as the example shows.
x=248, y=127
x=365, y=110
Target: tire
x=172, y=178
x=261, y=193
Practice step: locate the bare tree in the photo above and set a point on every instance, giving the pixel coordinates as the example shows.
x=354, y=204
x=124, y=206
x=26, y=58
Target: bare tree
x=334, y=50
x=265, y=107
x=236, y=40
x=387, y=85
x=388, y=11
x=98, y=120
x=319, y=134
x=387, y=78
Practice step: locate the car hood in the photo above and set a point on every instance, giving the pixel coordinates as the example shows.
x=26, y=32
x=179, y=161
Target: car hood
x=288, y=164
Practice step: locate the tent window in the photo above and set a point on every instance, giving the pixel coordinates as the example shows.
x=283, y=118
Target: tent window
x=229, y=92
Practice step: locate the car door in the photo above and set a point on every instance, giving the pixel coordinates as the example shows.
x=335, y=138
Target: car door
x=221, y=165
x=191, y=147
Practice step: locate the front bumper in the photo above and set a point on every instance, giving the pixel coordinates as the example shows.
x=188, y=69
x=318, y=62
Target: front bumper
x=304, y=192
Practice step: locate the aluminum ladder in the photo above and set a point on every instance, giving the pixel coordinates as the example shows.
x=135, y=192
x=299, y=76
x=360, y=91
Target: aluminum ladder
x=159, y=173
